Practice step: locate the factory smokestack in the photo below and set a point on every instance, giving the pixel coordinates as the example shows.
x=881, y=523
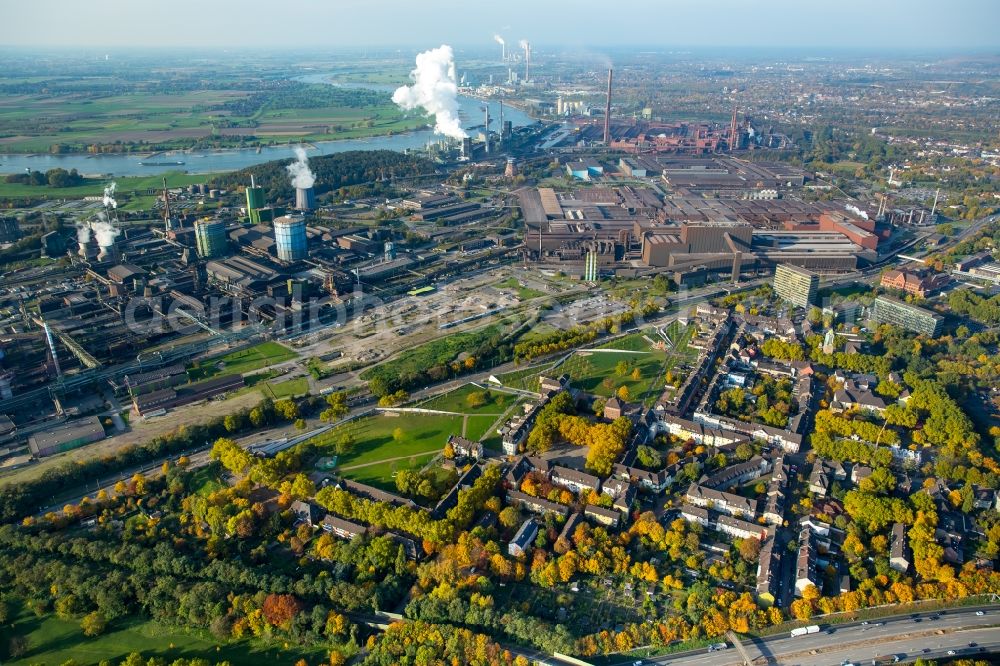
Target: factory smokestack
x=527, y=58
x=486, y=129
x=503, y=47
x=607, y=111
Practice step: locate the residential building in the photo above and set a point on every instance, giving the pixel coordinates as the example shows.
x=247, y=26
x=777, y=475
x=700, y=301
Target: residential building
x=768, y=573
x=796, y=285
x=695, y=514
x=305, y=512
x=536, y=504
x=852, y=396
x=740, y=529
x=451, y=499
x=339, y=527
x=888, y=310
x=734, y=505
x=411, y=548
x=574, y=480
x=914, y=284
x=655, y=482
x=523, y=539
x=899, y=551
x=738, y=474
x=624, y=501
x=805, y=563
x=465, y=448
x=607, y=517
x=569, y=528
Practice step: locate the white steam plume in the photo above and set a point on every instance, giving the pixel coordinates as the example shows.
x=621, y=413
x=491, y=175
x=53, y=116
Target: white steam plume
x=109, y=196
x=82, y=233
x=434, y=89
x=299, y=171
x=499, y=40
x=524, y=44
x=104, y=231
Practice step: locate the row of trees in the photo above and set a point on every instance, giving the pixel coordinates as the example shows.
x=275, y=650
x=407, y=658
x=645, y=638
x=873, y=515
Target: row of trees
x=571, y=337
x=57, y=177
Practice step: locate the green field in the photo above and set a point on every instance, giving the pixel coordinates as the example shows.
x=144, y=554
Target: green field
x=153, y=121
x=588, y=370
x=477, y=427
x=53, y=641
x=286, y=389
x=457, y=401
x=128, y=189
x=239, y=362
x=380, y=475
x=374, y=442
x=525, y=379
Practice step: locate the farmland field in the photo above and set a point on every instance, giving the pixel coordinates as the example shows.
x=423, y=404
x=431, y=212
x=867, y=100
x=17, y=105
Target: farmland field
x=142, y=121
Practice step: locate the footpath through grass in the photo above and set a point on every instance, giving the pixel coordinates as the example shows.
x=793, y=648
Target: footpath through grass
x=375, y=441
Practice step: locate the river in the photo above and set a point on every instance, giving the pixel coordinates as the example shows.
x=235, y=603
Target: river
x=210, y=161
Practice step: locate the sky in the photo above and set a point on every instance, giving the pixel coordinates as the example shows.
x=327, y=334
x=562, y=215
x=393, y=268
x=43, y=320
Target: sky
x=955, y=25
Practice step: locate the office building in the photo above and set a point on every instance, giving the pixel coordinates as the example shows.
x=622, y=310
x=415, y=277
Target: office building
x=796, y=285
x=888, y=310
x=210, y=238
x=290, y=237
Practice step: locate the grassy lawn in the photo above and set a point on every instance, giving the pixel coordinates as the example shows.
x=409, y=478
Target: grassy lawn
x=631, y=342
x=588, y=371
x=54, y=641
x=380, y=475
x=286, y=389
x=457, y=401
x=525, y=379
x=244, y=360
x=206, y=481
x=374, y=442
x=478, y=426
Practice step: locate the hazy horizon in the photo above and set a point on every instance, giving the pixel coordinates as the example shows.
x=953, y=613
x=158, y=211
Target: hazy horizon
x=852, y=25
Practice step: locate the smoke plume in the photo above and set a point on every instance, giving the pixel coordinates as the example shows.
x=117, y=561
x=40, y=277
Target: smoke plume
x=498, y=39
x=104, y=231
x=82, y=233
x=434, y=90
x=524, y=44
x=109, y=196
x=299, y=171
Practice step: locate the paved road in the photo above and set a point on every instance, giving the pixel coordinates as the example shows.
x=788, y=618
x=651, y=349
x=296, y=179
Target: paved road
x=859, y=643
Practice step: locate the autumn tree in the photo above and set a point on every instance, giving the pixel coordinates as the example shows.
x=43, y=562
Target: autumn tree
x=280, y=609
x=93, y=624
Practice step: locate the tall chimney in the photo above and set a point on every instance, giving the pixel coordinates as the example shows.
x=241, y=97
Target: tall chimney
x=527, y=60
x=734, y=132
x=486, y=128
x=501, y=120
x=607, y=112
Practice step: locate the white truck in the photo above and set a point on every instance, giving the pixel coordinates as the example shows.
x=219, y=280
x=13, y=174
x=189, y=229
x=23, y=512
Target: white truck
x=802, y=631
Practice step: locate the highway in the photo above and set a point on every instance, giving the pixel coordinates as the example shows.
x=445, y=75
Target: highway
x=857, y=643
